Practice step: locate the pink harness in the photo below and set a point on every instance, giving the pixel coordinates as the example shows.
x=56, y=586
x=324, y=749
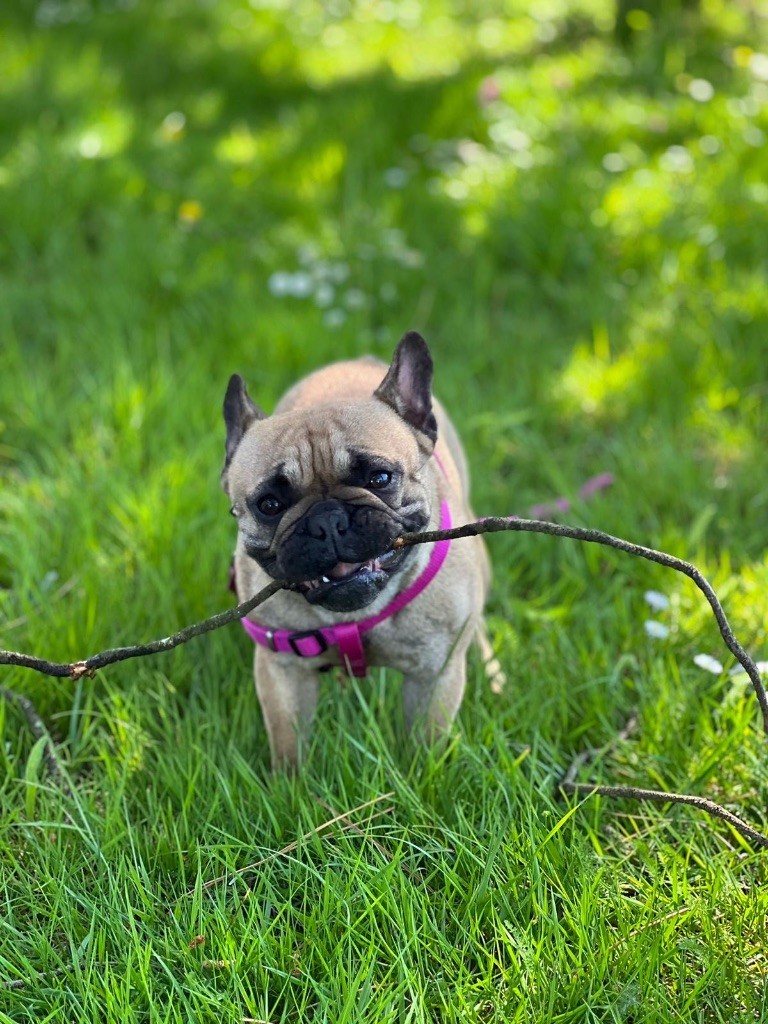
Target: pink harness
x=347, y=636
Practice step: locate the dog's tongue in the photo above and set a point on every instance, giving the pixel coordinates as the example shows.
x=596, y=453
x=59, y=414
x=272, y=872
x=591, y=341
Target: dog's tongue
x=342, y=569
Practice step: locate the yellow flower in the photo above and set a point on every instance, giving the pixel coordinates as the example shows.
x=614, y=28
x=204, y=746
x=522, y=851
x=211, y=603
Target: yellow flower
x=190, y=212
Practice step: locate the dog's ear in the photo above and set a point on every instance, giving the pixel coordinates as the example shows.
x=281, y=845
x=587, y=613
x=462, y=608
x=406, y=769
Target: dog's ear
x=240, y=411
x=407, y=387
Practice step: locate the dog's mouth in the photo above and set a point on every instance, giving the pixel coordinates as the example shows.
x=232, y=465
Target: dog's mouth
x=350, y=585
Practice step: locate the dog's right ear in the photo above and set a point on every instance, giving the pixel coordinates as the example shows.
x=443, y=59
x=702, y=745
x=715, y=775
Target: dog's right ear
x=240, y=411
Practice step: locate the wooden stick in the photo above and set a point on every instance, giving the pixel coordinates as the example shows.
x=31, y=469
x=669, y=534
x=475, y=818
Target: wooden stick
x=489, y=525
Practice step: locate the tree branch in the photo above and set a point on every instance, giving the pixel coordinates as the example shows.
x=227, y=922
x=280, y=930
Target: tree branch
x=658, y=796
x=500, y=523
x=489, y=525
x=88, y=666
x=38, y=729
x=570, y=787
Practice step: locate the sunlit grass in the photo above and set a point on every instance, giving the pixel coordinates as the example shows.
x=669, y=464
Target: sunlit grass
x=580, y=232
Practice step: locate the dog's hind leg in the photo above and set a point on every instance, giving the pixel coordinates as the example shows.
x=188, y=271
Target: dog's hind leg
x=288, y=696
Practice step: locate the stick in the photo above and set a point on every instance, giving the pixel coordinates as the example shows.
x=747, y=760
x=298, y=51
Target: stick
x=496, y=524
x=569, y=786
x=38, y=729
x=88, y=666
x=488, y=525
x=657, y=796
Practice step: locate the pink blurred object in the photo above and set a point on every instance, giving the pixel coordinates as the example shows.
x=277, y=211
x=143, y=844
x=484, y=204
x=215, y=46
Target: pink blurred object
x=595, y=484
x=488, y=92
x=586, y=491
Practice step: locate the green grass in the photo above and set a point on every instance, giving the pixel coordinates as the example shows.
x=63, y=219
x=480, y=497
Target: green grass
x=584, y=244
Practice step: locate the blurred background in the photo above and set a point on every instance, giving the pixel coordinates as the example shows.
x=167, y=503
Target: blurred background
x=569, y=198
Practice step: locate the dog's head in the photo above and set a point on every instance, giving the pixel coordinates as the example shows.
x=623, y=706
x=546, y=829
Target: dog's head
x=321, y=492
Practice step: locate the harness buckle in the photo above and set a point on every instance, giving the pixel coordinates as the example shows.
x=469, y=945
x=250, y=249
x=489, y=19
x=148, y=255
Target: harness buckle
x=310, y=634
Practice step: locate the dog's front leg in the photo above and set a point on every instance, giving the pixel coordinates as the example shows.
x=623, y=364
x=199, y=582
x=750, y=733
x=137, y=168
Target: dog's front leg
x=430, y=705
x=432, y=698
x=287, y=689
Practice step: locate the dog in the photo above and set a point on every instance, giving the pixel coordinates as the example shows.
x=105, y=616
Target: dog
x=355, y=454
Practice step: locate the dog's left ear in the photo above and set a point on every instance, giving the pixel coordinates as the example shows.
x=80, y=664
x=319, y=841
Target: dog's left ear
x=240, y=411
x=407, y=387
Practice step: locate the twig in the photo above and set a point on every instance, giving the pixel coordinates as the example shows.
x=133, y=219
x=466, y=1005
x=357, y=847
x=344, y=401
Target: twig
x=496, y=524
x=657, y=796
x=343, y=817
x=87, y=667
x=569, y=786
x=482, y=526
x=38, y=729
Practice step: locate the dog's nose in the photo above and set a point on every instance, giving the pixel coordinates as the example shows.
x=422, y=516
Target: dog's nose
x=327, y=520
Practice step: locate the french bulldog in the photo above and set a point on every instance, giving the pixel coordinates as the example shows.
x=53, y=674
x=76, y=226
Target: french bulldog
x=354, y=455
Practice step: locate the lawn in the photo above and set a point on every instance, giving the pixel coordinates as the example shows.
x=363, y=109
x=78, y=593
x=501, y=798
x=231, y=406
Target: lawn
x=580, y=230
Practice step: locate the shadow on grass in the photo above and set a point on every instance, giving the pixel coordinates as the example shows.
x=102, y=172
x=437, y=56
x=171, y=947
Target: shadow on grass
x=538, y=283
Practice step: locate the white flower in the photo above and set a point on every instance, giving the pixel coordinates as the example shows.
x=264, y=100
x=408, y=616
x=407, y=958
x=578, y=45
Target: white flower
x=279, y=283
x=658, y=601
x=677, y=159
x=282, y=283
x=708, y=663
x=656, y=629
x=90, y=145
x=396, y=177
x=701, y=90
x=338, y=272
x=614, y=163
x=300, y=285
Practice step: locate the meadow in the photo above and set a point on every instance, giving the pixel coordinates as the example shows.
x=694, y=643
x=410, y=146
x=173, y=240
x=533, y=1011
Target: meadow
x=579, y=228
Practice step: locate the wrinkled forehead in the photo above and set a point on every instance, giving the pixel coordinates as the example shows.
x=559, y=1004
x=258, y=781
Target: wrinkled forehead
x=321, y=444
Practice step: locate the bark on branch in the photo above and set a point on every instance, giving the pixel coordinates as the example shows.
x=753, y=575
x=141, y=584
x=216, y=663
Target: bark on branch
x=660, y=797
x=498, y=524
x=88, y=666
x=570, y=787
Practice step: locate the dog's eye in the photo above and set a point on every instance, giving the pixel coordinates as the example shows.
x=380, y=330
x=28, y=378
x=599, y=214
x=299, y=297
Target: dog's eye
x=269, y=505
x=379, y=479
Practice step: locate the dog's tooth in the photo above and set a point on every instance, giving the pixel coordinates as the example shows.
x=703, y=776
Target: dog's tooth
x=325, y=579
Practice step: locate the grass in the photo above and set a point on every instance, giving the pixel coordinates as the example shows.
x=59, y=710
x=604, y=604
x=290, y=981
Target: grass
x=581, y=233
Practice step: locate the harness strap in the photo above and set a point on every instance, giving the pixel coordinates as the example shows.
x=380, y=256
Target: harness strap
x=347, y=636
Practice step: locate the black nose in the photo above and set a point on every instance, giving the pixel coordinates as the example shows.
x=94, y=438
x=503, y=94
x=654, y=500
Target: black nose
x=327, y=520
